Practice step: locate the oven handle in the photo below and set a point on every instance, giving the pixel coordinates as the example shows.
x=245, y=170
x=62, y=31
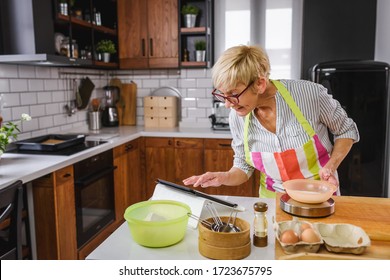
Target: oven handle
x=94, y=177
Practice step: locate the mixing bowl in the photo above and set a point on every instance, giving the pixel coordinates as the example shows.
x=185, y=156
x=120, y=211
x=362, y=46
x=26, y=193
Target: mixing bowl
x=309, y=191
x=157, y=223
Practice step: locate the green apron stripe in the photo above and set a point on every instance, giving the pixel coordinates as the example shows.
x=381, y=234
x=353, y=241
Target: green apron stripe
x=311, y=156
x=246, y=144
x=263, y=191
x=294, y=108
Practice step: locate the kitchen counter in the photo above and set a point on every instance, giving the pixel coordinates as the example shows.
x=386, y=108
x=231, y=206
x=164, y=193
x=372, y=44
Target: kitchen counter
x=120, y=245
x=372, y=214
x=27, y=167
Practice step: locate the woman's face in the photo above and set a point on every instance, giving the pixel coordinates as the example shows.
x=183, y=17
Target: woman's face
x=247, y=99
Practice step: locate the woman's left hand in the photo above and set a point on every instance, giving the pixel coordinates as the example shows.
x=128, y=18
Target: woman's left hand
x=326, y=174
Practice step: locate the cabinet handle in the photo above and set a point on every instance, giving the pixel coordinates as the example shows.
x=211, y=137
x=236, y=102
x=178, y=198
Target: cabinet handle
x=143, y=47
x=129, y=147
x=151, y=46
x=66, y=175
x=170, y=142
x=223, y=145
x=178, y=143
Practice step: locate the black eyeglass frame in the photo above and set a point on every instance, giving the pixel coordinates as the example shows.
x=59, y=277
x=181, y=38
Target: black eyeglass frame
x=232, y=98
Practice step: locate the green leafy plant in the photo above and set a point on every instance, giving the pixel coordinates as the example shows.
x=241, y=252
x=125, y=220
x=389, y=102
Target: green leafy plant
x=9, y=131
x=200, y=45
x=105, y=46
x=189, y=10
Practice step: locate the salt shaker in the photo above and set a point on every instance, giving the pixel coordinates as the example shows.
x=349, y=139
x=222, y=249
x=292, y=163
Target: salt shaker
x=260, y=235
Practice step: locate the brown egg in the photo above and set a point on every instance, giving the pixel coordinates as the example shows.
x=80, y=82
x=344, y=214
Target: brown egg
x=309, y=236
x=305, y=226
x=289, y=236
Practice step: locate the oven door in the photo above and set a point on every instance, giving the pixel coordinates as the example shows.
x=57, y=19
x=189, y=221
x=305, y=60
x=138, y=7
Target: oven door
x=95, y=206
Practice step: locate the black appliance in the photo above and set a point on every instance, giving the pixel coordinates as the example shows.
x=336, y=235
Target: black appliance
x=361, y=87
x=94, y=195
x=110, y=112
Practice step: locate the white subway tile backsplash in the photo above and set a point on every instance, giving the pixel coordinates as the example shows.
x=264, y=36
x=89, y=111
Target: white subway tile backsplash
x=150, y=83
x=43, y=92
x=8, y=71
x=26, y=71
x=18, y=111
x=206, y=83
x=4, y=85
x=187, y=83
x=18, y=85
x=37, y=110
x=45, y=122
x=28, y=98
x=44, y=97
x=30, y=125
x=43, y=72
x=52, y=108
x=11, y=99
x=51, y=84
x=35, y=85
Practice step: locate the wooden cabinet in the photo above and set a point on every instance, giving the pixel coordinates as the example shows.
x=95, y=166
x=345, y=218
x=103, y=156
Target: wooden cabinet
x=148, y=34
x=218, y=156
x=159, y=162
x=55, y=215
x=203, y=30
x=128, y=176
x=189, y=158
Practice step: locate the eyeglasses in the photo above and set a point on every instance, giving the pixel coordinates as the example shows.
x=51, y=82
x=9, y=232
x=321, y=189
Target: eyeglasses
x=231, y=98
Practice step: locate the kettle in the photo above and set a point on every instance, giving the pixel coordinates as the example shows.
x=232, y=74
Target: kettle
x=110, y=112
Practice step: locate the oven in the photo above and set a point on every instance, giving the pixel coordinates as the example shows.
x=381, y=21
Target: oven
x=94, y=195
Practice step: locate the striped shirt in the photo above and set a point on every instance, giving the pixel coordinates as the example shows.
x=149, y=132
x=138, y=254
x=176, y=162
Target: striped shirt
x=319, y=108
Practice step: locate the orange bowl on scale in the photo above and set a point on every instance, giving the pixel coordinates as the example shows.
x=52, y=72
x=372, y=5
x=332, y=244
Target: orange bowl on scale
x=309, y=191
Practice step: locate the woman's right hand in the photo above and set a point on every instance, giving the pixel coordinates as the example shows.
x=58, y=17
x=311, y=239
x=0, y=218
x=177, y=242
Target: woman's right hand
x=208, y=179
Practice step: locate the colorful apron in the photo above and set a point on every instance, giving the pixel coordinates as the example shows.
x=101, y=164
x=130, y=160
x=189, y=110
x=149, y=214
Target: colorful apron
x=298, y=163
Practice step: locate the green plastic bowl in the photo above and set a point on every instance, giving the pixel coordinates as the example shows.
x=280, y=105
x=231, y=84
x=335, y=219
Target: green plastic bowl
x=157, y=223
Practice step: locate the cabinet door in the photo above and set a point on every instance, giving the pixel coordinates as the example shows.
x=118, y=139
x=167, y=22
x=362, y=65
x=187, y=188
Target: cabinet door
x=188, y=158
x=219, y=157
x=159, y=162
x=163, y=33
x=128, y=178
x=55, y=215
x=133, y=34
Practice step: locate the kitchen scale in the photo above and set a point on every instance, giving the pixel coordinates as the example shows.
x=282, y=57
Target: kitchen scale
x=295, y=208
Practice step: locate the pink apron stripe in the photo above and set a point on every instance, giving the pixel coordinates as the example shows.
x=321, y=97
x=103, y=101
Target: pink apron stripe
x=270, y=183
x=258, y=161
x=323, y=156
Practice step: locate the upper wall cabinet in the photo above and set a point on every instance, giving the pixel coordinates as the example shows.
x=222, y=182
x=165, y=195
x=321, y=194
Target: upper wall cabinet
x=148, y=34
x=57, y=32
x=196, y=38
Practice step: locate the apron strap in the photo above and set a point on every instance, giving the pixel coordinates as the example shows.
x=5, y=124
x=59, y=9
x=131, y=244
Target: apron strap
x=294, y=108
x=246, y=144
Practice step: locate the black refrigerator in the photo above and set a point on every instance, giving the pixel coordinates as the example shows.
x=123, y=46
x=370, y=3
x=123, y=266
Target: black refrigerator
x=362, y=88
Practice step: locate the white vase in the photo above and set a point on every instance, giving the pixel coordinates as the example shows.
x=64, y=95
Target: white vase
x=200, y=55
x=189, y=21
x=106, y=57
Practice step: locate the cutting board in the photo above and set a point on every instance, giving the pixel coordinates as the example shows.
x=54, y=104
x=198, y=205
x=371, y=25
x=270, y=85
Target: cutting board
x=369, y=213
x=129, y=101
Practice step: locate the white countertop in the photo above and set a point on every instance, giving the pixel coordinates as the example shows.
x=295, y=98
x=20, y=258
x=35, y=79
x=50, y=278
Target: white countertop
x=27, y=167
x=120, y=245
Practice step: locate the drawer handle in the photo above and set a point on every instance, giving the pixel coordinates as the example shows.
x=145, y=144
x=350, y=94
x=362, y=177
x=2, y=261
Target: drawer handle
x=129, y=147
x=66, y=175
x=143, y=47
x=178, y=143
x=223, y=145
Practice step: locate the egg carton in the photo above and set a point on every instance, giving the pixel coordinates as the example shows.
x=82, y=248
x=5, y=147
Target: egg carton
x=300, y=246
x=337, y=238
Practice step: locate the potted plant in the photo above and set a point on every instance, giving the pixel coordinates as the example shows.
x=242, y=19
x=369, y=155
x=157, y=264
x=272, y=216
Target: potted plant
x=189, y=12
x=200, y=50
x=106, y=47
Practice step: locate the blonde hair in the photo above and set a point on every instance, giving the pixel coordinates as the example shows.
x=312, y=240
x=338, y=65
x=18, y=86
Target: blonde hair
x=240, y=64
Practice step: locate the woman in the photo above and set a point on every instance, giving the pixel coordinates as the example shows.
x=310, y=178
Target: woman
x=278, y=127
